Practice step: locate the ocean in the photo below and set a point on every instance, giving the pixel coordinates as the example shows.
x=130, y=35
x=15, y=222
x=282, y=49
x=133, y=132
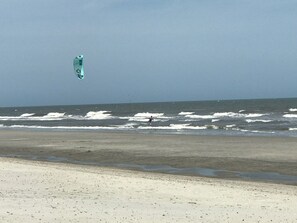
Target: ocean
x=261, y=117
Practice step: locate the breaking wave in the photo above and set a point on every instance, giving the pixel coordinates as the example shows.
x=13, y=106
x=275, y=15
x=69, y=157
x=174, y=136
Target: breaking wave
x=184, y=118
x=98, y=115
x=258, y=120
x=225, y=115
x=290, y=116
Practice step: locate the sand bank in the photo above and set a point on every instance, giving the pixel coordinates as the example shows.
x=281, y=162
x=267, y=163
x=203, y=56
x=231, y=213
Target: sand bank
x=51, y=192
x=245, y=154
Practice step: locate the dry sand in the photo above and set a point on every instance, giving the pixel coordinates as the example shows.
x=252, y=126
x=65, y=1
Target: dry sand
x=49, y=192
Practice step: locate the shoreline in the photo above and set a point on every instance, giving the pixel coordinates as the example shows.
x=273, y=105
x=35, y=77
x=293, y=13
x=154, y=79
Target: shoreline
x=222, y=156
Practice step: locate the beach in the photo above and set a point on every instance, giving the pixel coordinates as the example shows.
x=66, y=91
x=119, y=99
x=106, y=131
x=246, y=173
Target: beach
x=132, y=150
x=72, y=176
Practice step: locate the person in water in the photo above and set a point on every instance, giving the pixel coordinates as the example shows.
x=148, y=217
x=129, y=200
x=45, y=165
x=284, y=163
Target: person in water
x=150, y=119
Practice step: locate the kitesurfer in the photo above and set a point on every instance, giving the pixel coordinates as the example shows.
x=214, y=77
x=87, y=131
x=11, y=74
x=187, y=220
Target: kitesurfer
x=150, y=119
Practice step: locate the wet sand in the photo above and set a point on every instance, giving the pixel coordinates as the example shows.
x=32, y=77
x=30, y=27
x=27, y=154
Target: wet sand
x=242, y=154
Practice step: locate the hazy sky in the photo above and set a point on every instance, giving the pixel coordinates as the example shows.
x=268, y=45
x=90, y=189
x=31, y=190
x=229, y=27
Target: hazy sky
x=146, y=50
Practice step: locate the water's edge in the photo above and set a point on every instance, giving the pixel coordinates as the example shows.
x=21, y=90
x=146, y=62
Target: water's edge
x=272, y=177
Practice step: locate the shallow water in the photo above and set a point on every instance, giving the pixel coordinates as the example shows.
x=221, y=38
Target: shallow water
x=261, y=176
x=193, y=171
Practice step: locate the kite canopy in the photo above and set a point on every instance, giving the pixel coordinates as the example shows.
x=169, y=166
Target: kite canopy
x=78, y=67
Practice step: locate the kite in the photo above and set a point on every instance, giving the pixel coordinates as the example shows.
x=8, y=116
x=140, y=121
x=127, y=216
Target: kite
x=78, y=66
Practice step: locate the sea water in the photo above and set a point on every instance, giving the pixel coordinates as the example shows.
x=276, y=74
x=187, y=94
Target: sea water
x=262, y=117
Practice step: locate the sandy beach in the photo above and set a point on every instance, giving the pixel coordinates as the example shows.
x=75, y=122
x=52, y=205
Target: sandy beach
x=32, y=190
x=243, y=154
x=48, y=192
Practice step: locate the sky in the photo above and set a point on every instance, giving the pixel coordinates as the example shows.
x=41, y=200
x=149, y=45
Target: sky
x=146, y=50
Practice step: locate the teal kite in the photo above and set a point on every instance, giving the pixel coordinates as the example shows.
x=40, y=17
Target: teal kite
x=78, y=66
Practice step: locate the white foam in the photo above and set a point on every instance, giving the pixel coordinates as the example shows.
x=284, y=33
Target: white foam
x=185, y=113
x=230, y=126
x=5, y=118
x=98, y=115
x=65, y=127
x=23, y=116
x=254, y=115
x=200, y=116
x=237, y=115
x=215, y=120
x=144, y=116
x=128, y=126
x=148, y=114
x=54, y=115
x=293, y=109
x=138, y=119
x=257, y=120
x=225, y=114
x=212, y=127
x=292, y=129
x=186, y=126
x=124, y=117
x=179, y=127
x=27, y=114
x=256, y=131
x=290, y=116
